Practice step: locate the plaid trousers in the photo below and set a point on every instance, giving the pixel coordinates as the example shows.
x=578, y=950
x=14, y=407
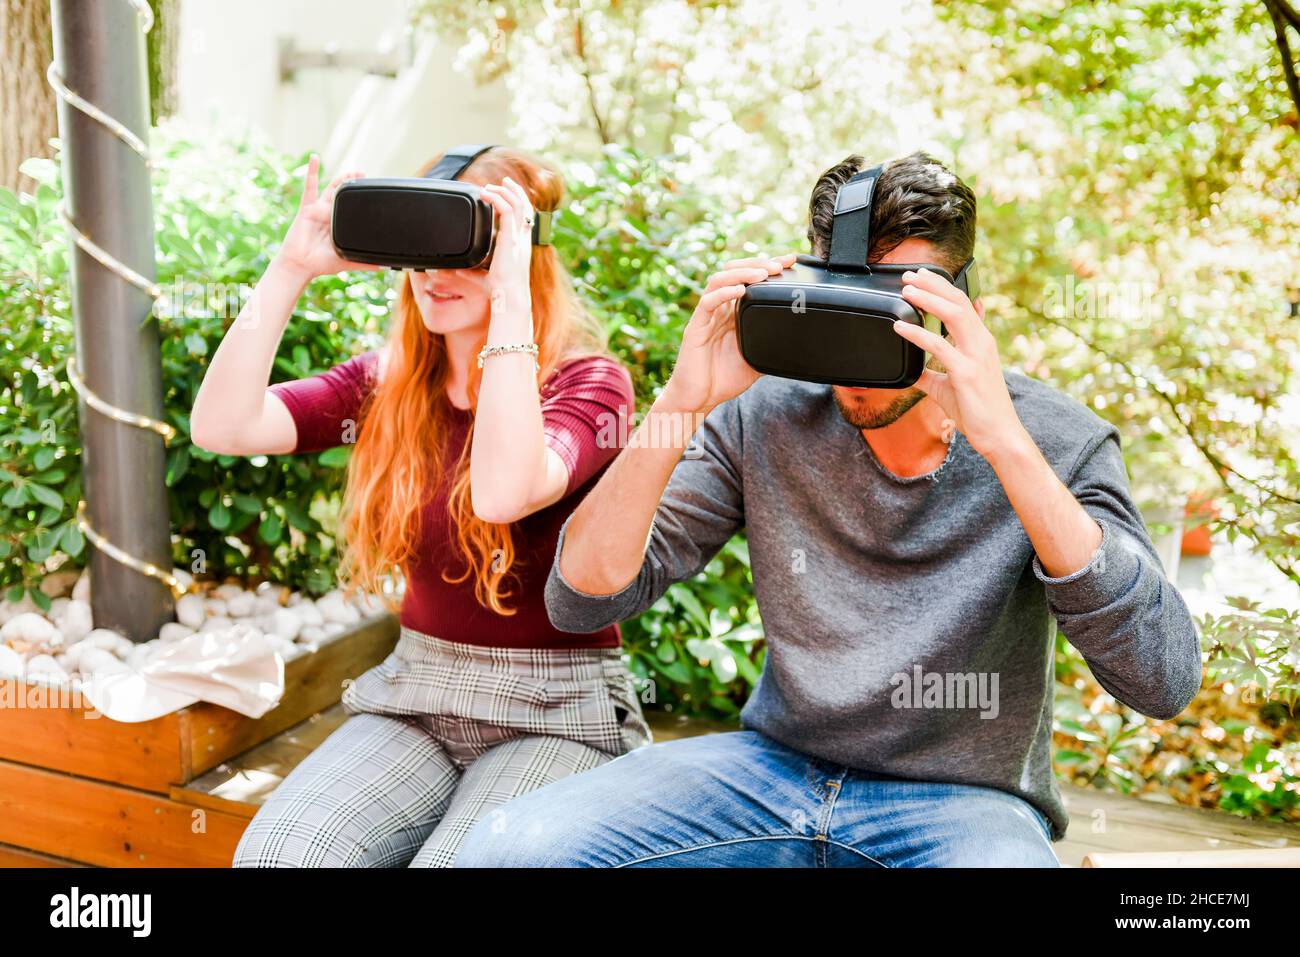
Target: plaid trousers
x=441, y=734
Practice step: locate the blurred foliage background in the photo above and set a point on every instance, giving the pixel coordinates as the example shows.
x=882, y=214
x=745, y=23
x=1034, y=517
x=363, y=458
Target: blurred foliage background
x=1137, y=171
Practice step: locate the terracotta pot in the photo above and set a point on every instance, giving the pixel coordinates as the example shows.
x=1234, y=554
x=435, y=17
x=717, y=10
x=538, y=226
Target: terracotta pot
x=1197, y=540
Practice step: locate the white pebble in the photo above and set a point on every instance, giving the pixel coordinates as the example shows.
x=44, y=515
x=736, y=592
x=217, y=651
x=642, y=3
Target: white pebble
x=368, y=605
x=309, y=614
x=28, y=626
x=174, y=631
x=46, y=665
x=141, y=654
x=11, y=662
x=97, y=661
x=216, y=608
x=77, y=622
x=104, y=638
x=241, y=605
x=189, y=611
x=216, y=624
x=333, y=628
x=227, y=592
x=266, y=604
x=335, y=608
x=311, y=635
x=286, y=624
x=71, y=657
x=10, y=610
x=58, y=608
x=81, y=590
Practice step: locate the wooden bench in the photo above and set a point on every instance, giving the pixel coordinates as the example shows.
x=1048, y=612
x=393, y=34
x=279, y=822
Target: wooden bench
x=77, y=787
x=1105, y=828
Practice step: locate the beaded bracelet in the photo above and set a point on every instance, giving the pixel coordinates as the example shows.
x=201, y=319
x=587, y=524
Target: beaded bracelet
x=529, y=347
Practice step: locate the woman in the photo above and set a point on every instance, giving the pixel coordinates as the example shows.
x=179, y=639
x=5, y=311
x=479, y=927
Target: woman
x=470, y=453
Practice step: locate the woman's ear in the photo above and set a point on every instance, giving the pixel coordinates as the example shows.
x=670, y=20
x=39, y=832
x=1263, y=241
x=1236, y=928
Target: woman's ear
x=979, y=307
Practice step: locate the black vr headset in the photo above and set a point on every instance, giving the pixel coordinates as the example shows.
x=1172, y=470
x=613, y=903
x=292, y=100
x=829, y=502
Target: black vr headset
x=431, y=222
x=832, y=321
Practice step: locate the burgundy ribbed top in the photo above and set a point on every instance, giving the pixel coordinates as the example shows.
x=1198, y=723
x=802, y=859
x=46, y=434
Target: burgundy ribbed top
x=585, y=403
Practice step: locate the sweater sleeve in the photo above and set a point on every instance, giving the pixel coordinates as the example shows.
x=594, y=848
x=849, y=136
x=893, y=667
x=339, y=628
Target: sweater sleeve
x=701, y=508
x=326, y=407
x=585, y=411
x=1119, y=610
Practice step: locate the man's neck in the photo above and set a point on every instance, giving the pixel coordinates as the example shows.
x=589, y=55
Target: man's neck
x=913, y=444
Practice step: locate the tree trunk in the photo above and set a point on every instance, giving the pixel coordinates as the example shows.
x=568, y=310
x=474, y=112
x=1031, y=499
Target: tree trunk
x=27, y=116
x=163, y=46
x=27, y=110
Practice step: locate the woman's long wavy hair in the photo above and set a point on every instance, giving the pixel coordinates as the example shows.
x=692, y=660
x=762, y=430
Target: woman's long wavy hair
x=398, y=461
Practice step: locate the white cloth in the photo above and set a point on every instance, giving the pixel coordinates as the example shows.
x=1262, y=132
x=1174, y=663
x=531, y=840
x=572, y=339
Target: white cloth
x=238, y=671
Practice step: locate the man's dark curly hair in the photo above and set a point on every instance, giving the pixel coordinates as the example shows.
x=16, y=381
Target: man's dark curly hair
x=917, y=196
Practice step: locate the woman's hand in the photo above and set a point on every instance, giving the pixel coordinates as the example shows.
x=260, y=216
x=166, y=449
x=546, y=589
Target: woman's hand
x=512, y=252
x=709, y=368
x=308, y=248
x=971, y=389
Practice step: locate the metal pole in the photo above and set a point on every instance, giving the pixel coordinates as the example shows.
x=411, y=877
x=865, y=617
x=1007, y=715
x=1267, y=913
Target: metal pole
x=99, y=50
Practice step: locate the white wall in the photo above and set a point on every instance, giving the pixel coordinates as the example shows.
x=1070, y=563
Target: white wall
x=229, y=79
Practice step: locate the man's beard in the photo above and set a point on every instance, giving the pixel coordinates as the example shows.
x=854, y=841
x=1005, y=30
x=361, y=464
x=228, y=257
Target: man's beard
x=861, y=417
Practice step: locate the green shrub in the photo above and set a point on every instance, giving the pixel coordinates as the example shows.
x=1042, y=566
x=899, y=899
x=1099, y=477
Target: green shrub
x=220, y=212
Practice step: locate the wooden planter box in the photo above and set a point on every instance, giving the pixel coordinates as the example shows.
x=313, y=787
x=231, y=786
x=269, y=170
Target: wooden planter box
x=82, y=787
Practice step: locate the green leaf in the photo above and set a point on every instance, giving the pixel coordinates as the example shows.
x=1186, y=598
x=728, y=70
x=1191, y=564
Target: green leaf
x=219, y=516
x=178, y=463
x=45, y=495
x=684, y=597
x=270, y=529
x=336, y=457
x=71, y=540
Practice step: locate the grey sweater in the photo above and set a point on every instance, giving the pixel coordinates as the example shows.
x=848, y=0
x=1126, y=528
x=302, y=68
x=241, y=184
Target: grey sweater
x=908, y=621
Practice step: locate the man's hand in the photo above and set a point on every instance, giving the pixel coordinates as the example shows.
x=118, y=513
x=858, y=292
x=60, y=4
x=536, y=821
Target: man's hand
x=709, y=368
x=974, y=394
x=971, y=390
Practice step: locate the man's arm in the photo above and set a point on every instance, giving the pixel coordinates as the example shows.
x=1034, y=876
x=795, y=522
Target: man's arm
x=1118, y=608
x=609, y=557
x=654, y=518
x=1104, y=581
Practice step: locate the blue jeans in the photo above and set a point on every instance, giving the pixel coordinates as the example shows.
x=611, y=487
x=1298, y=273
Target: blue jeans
x=743, y=800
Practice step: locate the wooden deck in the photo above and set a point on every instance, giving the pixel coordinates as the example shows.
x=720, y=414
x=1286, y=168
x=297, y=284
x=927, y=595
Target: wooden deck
x=1100, y=822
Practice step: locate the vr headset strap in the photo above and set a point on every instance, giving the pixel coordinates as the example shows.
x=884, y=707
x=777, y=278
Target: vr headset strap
x=457, y=159
x=968, y=280
x=851, y=226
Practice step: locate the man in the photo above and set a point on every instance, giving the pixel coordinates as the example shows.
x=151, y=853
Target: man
x=909, y=549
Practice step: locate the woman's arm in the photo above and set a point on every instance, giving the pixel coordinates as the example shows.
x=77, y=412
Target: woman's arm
x=512, y=471
x=233, y=413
